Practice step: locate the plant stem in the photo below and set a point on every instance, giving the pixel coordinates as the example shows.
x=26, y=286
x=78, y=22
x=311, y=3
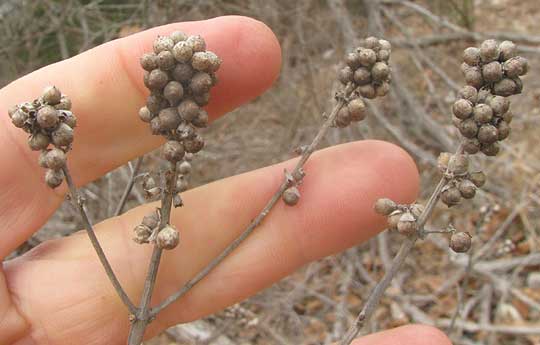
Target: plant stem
x=78, y=203
x=402, y=254
x=341, y=101
x=143, y=317
x=129, y=187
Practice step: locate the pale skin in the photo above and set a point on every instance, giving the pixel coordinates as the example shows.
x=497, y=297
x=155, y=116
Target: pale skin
x=58, y=294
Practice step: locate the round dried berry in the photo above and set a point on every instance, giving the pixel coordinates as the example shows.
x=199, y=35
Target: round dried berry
x=353, y=60
x=469, y=93
x=362, y=76
x=182, y=72
x=519, y=85
x=182, y=184
x=54, y=178
x=173, y=151
x=56, y=159
x=468, y=128
x=169, y=119
x=458, y=164
x=478, y=178
x=38, y=141
x=367, y=57
x=490, y=149
x=155, y=103
x=291, y=196
x=188, y=110
x=168, y=238
x=185, y=131
x=489, y=51
x=201, y=120
x=382, y=89
x=19, y=118
x=471, y=56
x=145, y=114
x=451, y=196
x=64, y=104
x=149, y=61
x=163, y=43
x=467, y=189
x=383, y=55
x=483, y=113
x=516, y=66
x=385, y=45
x=508, y=50
x=462, y=109
x=345, y=75
x=177, y=36
x=206, y=61
x=196, y=43
x=471, y=146
x=51, y=95
x=166, y=60
x=357, y=109
x=343, y=119
x=508, y=116
x=182, y=51
x=407, y=224
x=195, y=144
x=492, y=72
x=151, y=220
x=157, y=79
x=443, y=160
x=488, y=134
x=503, y=129
x=68, y=118
x=141, y=234
x=47, y=117
x=385, y=206
x=173, y=92
x=202, y=99
x=473, y=77
x=62, y=136
x=380, y=71
x=460, y=242
x=200, y=83
x=367, y=91
x=185, y=168
x=499, y=105
x=42, y=160
x=506, y=87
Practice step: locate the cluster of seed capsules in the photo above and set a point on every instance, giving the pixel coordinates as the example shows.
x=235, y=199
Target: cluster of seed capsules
x=404, y=219
x=179, y=74
x=50, y=123
x=367, y=71
x=481, y=113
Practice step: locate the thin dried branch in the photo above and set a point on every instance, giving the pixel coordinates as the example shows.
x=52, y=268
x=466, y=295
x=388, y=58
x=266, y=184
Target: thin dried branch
x=129, y=186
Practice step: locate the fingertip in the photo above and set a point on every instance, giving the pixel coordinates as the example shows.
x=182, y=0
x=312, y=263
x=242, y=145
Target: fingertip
x=406, y=335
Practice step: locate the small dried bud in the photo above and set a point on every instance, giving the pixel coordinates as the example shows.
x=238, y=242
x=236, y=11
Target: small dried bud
x=478, y=178
x=168, y=238
x=492, y=72
x=151, y=220
x=451, y=196
x=506, y=87
x=145, y=114
x=443, y=161
x=68, y=118
x=490, y=149
x=468, y=128
x=51, y=95
x=458, y=164
x=62, y=136
x=380, y=71
x=47, y=117
x=196, y=43
x=54, y=178
x=467, y=189
x=367, y=57
x=357, y=109
x=182, y=72
x=194, y=144
x=345, y=75
x=163, y=43
x=471, y=146
x=291, y=196
x=471, y=56
x=184, y=168
x=38, y=141
x=343, y=119
x=64, y=104
x=362, y=76
x=169, y=119
x=166, y=60
x=177, y=36
x=19, y=118
x=56, y=159
x=508, y=50
x=407, y=224
x=516, y=67
x=385, y=206
x=372, y=43
x=462, y=109
x=157, y=79
x=173, y=151
x=469, y=93
x=42, y=160
x=488, y=134
x=149, y=61
x=173, y=92
x=489, y=51
x=200, y=83
x=483, y=113
x=188, y=110
x=141, y=234
x=460, y=242
x=503, y=129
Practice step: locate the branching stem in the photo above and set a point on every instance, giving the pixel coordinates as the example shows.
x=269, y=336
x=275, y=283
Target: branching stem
x=129, y=187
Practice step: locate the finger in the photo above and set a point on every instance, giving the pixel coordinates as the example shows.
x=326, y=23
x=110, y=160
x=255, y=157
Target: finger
x=105, y=85
x=406, y=335
x=335, y=212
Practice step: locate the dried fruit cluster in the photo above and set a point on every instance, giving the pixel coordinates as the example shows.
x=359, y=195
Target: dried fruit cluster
x=482, y=114
x=179, y=74
x=462, y=184
x=367, y=69
x=49, y=122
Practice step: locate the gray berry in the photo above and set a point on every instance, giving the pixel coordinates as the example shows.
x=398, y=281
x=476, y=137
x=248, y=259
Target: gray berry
x=195, y=144
x=200, y=83
x=508, y=50
x=188, y=110
x=145, y=115
x=367, y=91
x=201, y=120
x=141, y=234
x=19, y=118
x=499, y=105
x=51, y=95
x=489, y=51
x=62, y=136
x=163, y=43
x=169, y=119
x=56, y=159
x=168, y=238
x=469, y=93
x=458, y=164
x=407, y=224
x=471, y=56
x=380, y=71
x=478, y=178
x=385, y=206
x=177, y=36
x=367, y=57
x=182, y=72
x=516, y=67
x=196, y=43
x=47, y=117
x=451, y=196
x=488, y=134
x=149, y=61
x=151, y=220
x=482, y=113
x=173, y=92
x=503, y=129
x=506, y=87
x=462, y=109
x=492, y=72
x=157, y=79
x=291, y=196
x=468, y=128
x=357, y=109
x=362, y=76
x=467, y=189
x=382, y=89
x=54, y=178
x=473, y=77
x=353, y=60
x=490, y=149
x=185, y=168
x=460, y=242
x=173, y=151
x=64, y=104
x=471, y=146
x=166, y=60
x=182, y=52
x=345, y=75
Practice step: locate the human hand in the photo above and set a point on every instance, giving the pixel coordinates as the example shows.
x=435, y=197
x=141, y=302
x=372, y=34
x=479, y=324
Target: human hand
x=59, y=294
